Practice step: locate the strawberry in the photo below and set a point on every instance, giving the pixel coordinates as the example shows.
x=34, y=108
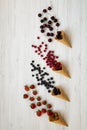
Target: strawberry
x=32, y=86
x=49, y=105
x=38, y=98
x=34, y=92
x=43, y=110
x=33, y=106
x=44, y=102
x=49, y=113
x=39, y=104
x=25, y=96
x=31, y=98
x=38, y=113
x=26, y=88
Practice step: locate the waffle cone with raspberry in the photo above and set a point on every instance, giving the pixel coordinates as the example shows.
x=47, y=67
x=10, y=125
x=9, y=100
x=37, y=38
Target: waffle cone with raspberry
x=61, y=70
x=61, y=37
x=59, y=93
x=57, y=118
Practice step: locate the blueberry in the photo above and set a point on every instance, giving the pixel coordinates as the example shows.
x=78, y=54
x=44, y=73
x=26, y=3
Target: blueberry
x=44, y=10
x=49, y=8
x=39, y=15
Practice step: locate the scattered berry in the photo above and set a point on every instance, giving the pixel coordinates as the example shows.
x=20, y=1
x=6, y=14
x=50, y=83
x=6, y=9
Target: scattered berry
x=34, y=92
x=38, y=104
x=49, y=8
x=57, y=24
x=43, y=110
x=33, y=106
x=25, y=96
x=32, y=86
x=38, y=98
x=44, y=10
x=48, y=34
x=39, y=15
x=49, y=91
x=44, y=102
x=45, y=19
x=38, y=37
x=55, y=20
x=31, y=98
x=49, y=106
x=49, y=40
x=42, y=31
x=49, y=22
x=41, y=20
x=38, y=113
x=26, y=87
x=52, y=18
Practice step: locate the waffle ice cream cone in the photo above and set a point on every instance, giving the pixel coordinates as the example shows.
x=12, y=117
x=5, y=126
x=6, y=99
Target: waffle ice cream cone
x=61, y=94
x=63, y=71
x=57, y=118
x=64, y=39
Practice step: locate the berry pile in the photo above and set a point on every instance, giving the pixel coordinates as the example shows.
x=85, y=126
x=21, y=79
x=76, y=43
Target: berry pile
x=36, y=102
x=48, y=56
x=43, y=78
x=48, y=23
x=59, y=35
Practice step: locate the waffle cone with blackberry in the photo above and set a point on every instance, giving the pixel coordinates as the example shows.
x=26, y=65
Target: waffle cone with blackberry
x=61, y=37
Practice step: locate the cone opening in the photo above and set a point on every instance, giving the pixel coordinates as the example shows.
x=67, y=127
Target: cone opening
x=57, y=66
x=56, y=91
x=59, y=35
x=54, y=117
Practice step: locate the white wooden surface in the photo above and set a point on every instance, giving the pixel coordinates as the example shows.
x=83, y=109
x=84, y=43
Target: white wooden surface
x=19, y=26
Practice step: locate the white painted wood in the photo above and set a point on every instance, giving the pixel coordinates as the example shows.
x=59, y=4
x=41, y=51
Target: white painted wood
x=18, y=29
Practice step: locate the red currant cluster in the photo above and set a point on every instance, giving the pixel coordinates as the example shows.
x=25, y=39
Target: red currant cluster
x=48, y=56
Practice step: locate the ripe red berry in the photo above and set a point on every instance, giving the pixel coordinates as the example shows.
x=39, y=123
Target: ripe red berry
x=39, y=104
x=49, y=113
x=43, y=110
x=38, y=98
x=32, y=86
x=49, y=105
x=38, y=113
x=25, y=96
x=26, y=87
x=33, y=106
x=31, y=98
x=44, y=102
x=34, y=92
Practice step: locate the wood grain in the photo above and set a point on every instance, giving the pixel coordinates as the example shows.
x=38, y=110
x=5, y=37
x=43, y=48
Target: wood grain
x=19, y=27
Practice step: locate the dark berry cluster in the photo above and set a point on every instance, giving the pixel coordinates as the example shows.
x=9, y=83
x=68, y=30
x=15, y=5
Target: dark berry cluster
x=59, y=35
x=48, y=23
x=56, y=91
x=42, y=76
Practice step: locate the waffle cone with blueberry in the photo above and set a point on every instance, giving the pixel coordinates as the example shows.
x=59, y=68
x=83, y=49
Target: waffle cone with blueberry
x=60, y=68
x=57, y=118
x=61, y=37
x=59, y=93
